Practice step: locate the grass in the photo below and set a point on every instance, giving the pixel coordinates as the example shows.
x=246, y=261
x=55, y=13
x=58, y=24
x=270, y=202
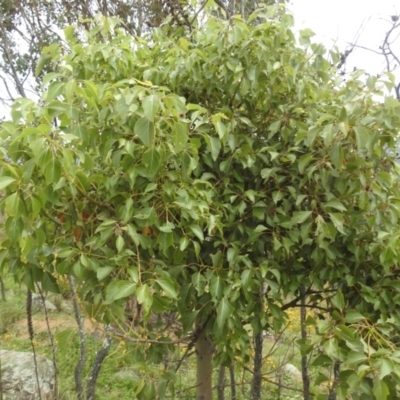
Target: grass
x=124, y=374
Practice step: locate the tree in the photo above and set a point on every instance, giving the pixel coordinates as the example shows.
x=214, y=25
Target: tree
x=216, y=175
x=387, y=49
x=27, y=27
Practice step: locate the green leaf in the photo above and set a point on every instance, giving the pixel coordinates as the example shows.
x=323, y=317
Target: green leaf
x=143, y=294
x=133, y=234
x=5, y=181
x=41, y=63
x=54, y=90
x=380, y=389
x=49, y=283
x=276, y=196
x=304, y=161
x=245, y=278
x=300, y=216
x=63, y=339
x=183, y=243
x=250, y=194
x=52, y=171
x=221, y=129
x=266, y=172
x=180, y=136
x=335, y=204
x=119, y=243
x=152, y=160
x=151, y=105
x=336, y=154
x=187, y=320
x=355, y=345
x=322, y=360
x=168, y=286
x=197, y=231
x=144, y=129
x=215, y=147
x=387, y=367
x=331, y=347
x=101, y=273
x=338, y=220
x=67, y=252
x=133, y=273
x=224, y=310
x=362, y=137
x=353, y=316
x=118, y=290
x=167, y=228
x=14, y=206
x=217, y=287
x=338, y=300
x=354, y=357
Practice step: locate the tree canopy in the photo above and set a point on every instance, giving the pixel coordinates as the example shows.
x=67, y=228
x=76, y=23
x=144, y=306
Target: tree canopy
x=214, y=174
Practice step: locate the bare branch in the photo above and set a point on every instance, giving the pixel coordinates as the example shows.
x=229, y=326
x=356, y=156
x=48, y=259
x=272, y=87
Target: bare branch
x=7, y=51
x=222, y=5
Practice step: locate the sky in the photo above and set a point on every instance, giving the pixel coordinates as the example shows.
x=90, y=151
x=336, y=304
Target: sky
x=344, y=21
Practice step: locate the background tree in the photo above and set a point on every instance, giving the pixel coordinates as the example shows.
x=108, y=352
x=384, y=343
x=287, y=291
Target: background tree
x=27, y=27
x=387, y=49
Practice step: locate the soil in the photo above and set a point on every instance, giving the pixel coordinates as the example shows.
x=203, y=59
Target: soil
x=57, y=324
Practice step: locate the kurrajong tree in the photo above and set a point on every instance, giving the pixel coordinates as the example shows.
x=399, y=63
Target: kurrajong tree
x=216, y=175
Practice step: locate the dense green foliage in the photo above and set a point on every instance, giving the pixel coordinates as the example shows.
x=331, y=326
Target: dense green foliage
x=190, y=171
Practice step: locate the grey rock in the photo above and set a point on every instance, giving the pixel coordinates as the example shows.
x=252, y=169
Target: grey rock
x=124, y=375
x=292, y=371
x=67, y=307
x=37, y=303
x=18, y=377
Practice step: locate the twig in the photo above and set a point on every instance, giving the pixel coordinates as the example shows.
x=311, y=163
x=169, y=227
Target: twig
x=145, y=340
x=31, y=335
x=364, y=48
x=7, y=52
x=3, y=290
x=198, y=12
x=82, y=357
x=51, y=339
x=222, y=5
x=186, y=355
x=304, y=366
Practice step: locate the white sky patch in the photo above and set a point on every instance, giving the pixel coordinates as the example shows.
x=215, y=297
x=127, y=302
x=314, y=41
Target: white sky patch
x=346, y=21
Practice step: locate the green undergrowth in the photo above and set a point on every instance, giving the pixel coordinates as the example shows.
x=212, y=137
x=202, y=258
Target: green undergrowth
x=124, y=375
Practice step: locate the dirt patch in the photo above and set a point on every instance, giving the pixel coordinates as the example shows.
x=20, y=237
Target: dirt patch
x=58, y=323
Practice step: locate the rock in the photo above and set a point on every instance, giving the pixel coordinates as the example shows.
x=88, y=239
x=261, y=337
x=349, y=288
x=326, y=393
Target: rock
x=67, y=307
x=18, y=377
x=37, y=303
x=124, y=375
x=292, y=371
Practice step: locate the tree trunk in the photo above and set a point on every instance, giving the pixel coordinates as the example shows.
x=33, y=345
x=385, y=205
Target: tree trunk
x=98, y=361
x=204, y=352
x=257, y=373
x=336, y=379
x=233, y=381
x=82, y=339
x=221, y=383
x=3, y=289
x=304, y=365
